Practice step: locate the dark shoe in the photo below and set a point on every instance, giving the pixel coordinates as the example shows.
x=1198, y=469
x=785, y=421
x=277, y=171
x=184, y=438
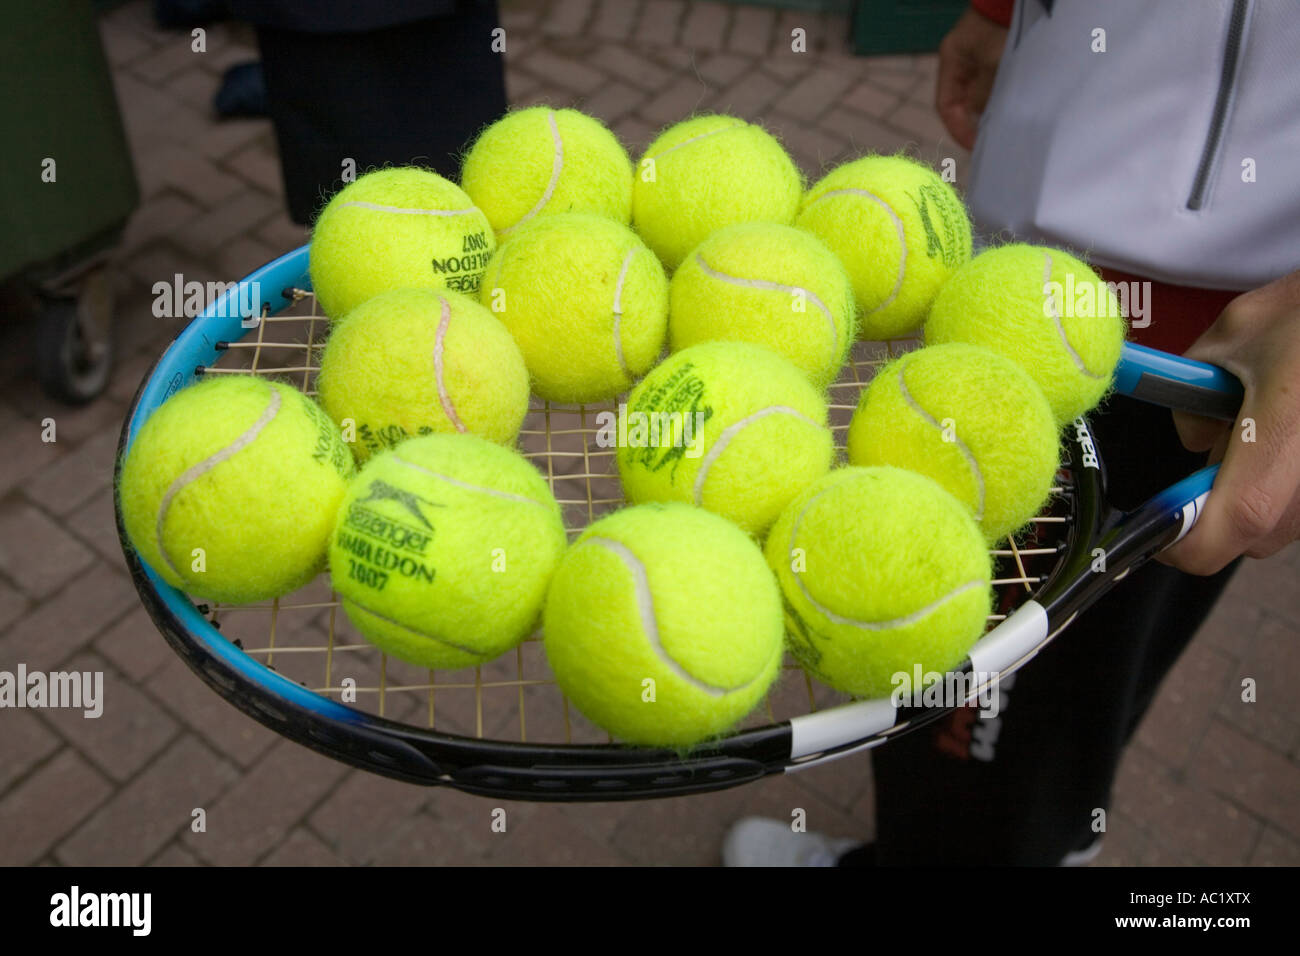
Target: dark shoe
x=242, y=92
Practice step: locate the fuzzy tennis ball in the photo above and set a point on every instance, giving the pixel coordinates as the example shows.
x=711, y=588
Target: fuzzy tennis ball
x=586, y=301
x=900, y=231
x=881, y=570
x=229, y=491
x=444, y=548
x=663, y=625
x=728, y=426
x=1043, y=309
x=394, y=228
x=771, y=285
x=539, y=160
x=414, y=361
x=970, y=419
x=706, y=173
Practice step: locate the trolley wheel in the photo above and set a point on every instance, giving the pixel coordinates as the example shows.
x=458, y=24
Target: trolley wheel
x=74, y=342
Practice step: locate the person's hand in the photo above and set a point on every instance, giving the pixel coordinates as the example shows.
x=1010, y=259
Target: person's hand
x=968, y=61
x=1254, y=508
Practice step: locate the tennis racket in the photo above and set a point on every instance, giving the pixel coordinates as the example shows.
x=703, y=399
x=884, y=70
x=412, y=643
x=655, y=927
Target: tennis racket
x=504, y=729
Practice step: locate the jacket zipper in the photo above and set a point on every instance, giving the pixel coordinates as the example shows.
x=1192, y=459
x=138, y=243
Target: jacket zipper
x=1227, y=79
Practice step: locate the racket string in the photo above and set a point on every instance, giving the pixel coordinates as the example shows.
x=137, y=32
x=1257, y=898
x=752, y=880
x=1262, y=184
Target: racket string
x=305, y=637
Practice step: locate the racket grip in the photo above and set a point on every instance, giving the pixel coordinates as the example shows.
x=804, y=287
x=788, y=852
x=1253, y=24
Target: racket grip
x=1179, y=383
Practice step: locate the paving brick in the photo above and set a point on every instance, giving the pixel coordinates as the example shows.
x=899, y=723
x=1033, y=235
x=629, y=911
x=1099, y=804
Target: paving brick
x=282, y=234
x=13, y=605
x=28, y=452
x=242, y=255
x=198, y=178
x=221, y=725
x=24, y=741
x=1268, y=585
x=566, y=74
x=705, y=27
x=720, y=69
x=863, y=133
x=921, y=122
x=259, y=164
x=1276, y=849
x=130, y=730
x=811, y=147
x=162, y=262
x=37, y=554
x=151, y=810
x=421, y=841
x=66, y=622
x=358, y=815
x=567, y=17
x=222, y=139
x=121, y=46
x=220, y=58
x=1273, y=662
x=134, y=646
x=519, y=82
x=841, y=783
x=901, y=82
x=196, y=87
x=870, y=99
x=166, y=60
x=1180, y=716
x=36, y=813
x=1186, y=819
x=679, y=59
x=629, y=66
x=76, y=477
x=302, y=848
x=258, y=811
x=751, y=30
x=95, y=524
x=635, y=134
x=688, y=831
x=659, y=22
x=1247, y=772
x=551, y=837
x=157, y=217
x=814, y=94
x=613, y=102
x=678, y=101
x=208, y=233
x=614, y=21
x=173, y=854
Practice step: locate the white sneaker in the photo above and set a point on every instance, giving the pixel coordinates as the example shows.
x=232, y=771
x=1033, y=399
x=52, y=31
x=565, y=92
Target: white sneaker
x=757, y=841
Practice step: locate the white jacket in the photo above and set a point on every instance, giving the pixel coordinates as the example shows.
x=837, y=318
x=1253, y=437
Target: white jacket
x=1137, y=156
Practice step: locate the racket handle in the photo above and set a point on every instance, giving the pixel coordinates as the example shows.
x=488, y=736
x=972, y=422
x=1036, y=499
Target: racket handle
x=1178, y=383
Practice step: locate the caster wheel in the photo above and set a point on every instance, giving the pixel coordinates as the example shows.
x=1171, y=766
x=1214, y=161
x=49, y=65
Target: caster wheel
x=74, y=343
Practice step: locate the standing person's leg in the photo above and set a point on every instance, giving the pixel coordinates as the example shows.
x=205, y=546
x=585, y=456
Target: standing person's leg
x=1022, y=787
x=414, y=93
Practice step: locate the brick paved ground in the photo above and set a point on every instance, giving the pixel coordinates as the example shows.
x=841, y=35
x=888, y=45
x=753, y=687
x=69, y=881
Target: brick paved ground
x=1210, y=779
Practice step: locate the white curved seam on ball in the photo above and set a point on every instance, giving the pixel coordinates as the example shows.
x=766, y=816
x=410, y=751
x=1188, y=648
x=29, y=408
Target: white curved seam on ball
x=724, y=439
x=440, y=369
x=696, y=139
x=650, y=622
x=557, y=170
x=962, y=447
x=902, y=238
x=1060, y=324
x=618, y=313
x=497, y=493
x=889, y=625
x=476, y=654
x=362, y=204
x=194, y=472
x=768, y=285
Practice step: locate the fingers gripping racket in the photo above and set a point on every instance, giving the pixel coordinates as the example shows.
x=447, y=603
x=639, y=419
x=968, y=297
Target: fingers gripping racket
x=504, y=729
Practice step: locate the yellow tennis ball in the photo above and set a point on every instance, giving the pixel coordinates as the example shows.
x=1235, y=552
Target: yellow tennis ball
x=537, y=161
x=882, y=570
x=229, y=491
x=415, y=361
x=900, y=231
x=394, y=228
x=970, y=419
x=663, y=625
x=706, y=173
x=728, y=426
x=1043, y=309
x=771, y=285
x=586, y=301
x=444, y=548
